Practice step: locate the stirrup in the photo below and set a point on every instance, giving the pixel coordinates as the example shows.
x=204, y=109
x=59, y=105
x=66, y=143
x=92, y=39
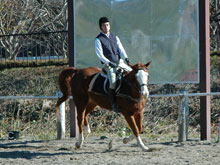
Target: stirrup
x=115, y=108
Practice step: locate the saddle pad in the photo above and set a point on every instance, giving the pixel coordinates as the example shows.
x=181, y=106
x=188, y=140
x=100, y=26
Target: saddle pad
x=97, y=84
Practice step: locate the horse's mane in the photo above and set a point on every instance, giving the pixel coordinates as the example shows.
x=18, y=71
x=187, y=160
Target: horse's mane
x=140, y=65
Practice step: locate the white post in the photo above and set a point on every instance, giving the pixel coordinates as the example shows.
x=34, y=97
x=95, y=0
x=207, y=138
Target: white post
x=183, y=118
x=61, y=122
x=186, y=107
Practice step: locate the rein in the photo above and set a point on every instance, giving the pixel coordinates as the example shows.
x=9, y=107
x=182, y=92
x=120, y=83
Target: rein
x=131, y=85
x=135, y=87
x=138, y=100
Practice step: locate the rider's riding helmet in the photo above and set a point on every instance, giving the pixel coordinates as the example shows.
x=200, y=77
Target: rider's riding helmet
x=102, y=20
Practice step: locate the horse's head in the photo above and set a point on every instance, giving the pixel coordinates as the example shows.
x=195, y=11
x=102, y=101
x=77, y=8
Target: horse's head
x=140, y=72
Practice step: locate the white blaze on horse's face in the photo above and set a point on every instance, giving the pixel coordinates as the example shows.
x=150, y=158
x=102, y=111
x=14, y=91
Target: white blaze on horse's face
x=142, y=78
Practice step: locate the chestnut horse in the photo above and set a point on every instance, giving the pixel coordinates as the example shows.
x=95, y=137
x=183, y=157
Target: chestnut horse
x=131, y=97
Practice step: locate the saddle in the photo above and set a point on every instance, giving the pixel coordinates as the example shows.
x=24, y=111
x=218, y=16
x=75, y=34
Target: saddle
x=100, y=83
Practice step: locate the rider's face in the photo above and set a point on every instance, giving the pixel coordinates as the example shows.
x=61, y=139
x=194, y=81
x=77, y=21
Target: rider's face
x=106, y=27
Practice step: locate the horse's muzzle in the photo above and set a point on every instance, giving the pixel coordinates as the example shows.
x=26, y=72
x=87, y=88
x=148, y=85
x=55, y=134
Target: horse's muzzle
x=144, y=91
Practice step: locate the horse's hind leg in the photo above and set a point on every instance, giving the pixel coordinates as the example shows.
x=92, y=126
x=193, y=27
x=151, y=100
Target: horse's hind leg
x=83, y=109
x=89, y=109
x=80, y=119
x=128, y=139
x=82, y=116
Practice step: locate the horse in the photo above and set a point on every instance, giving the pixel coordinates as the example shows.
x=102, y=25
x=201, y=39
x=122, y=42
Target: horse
x=131, y=97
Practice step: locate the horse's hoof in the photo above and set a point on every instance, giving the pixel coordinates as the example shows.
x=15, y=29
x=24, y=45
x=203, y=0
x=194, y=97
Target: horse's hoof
x=125, y=140
x=77, y=144
x=110, y=145
x=145, y=148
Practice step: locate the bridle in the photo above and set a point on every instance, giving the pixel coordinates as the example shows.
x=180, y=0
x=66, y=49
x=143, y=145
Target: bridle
x=143, y=84
x=137, y=87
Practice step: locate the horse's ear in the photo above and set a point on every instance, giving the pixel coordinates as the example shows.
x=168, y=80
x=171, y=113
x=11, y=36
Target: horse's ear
x=148, y=64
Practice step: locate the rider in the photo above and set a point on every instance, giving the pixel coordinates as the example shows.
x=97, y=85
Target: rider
x=110, y=50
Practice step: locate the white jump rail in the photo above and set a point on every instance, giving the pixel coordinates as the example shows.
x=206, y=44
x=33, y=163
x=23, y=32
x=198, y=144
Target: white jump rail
x=183, y=114
x=27, y=97
x=157, y=95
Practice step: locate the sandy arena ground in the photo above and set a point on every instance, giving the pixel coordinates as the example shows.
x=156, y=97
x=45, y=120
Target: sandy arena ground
x=95, y=151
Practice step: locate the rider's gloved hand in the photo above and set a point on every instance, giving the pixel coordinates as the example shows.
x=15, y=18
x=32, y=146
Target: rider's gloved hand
x=127, y=61
x=112, y=65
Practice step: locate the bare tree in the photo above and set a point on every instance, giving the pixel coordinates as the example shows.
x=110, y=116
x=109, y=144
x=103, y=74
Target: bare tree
x=28, y=16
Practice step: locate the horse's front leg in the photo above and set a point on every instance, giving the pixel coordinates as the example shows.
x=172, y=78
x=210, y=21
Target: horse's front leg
x=132, y=123
x=138, y=120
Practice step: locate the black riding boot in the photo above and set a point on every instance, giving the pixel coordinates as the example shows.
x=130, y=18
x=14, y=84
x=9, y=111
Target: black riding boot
x=112, y=97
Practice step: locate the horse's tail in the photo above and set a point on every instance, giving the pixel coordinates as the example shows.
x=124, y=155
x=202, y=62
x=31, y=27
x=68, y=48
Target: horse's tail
x=64, y=84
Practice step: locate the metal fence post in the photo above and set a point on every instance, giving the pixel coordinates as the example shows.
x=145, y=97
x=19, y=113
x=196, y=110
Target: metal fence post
x=186, y=106
x=219, y=133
